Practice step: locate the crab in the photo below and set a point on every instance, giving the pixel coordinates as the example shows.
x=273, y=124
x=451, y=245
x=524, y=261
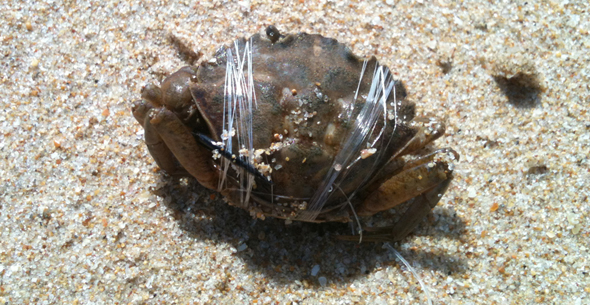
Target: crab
x=298, y=127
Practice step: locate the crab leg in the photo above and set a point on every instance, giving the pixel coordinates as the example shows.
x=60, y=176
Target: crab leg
x=195, y=158
x=424, y=180
x=395, y=164
x=422, y=138
x=417, y=178
x=421, y=206
x=417, y=210
x=156, y=146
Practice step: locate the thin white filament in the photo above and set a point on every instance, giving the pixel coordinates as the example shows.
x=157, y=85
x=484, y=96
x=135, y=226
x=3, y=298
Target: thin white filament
x=239, y=96
x=365, y=123
x=358, y=222
x=412, y=270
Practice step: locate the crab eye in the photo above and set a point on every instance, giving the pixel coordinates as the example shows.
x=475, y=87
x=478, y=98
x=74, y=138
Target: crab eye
x=273, y=33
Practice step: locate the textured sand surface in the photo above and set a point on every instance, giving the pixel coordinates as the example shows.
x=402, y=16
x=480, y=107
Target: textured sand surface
x=86, y=217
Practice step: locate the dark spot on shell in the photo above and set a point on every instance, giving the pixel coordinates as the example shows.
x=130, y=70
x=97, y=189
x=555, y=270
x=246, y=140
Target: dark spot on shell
x=349, y=55
x=273, y=33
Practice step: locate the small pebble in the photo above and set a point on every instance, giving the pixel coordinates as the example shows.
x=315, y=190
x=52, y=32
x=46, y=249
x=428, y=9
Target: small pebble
x=315, y=270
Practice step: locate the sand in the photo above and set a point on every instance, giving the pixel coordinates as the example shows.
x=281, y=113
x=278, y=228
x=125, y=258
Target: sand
x=86, y=217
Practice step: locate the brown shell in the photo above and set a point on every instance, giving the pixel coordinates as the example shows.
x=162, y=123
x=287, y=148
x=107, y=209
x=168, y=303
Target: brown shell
x=304, y=86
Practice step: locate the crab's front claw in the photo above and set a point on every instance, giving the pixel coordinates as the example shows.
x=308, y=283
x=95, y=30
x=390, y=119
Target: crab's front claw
x=155, y=144
x=152, y=94
x=193, y=157
x=176, y=93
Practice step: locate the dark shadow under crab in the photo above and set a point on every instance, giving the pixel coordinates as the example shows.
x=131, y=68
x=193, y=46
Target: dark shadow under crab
x=288, y=253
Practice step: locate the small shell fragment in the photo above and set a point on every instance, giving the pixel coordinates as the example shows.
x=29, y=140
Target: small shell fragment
x=365, y=153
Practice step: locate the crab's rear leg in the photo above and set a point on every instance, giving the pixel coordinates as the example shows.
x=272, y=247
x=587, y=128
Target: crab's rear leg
x=423, y=181
x=418, y=209
x=432, y=130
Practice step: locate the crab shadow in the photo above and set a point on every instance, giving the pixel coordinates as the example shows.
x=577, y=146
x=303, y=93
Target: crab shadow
x=286, y=253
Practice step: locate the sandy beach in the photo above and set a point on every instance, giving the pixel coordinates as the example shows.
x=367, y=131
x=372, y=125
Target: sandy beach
x=87, y=217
